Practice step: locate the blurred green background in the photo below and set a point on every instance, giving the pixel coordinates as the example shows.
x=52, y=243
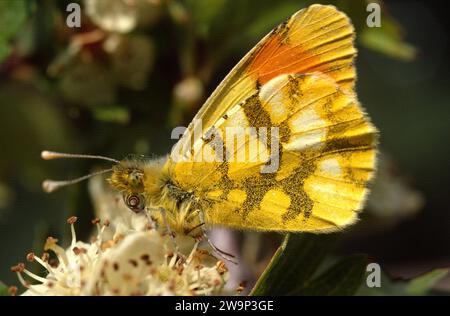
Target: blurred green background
x=137, y=68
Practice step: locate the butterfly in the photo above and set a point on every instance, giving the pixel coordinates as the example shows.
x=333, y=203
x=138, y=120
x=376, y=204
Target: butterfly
x=295, y=89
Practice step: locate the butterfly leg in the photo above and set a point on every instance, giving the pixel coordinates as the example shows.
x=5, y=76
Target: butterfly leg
x=222, y=254
x=169, y=230
x=152, y=224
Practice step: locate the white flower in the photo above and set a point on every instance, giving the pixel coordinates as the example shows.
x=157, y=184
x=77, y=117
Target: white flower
x=113, y=16
x=135, y=263
x=123, y=16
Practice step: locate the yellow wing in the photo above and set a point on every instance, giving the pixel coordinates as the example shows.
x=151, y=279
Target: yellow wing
x=298, y=80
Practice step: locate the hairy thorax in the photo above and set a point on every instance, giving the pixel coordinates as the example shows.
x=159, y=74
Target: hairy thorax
x=148, y=184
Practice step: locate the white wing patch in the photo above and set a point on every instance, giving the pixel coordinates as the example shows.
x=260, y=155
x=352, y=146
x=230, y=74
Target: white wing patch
x=306, y=120
x=310, y=140
x=330, y=167
x=273, y=99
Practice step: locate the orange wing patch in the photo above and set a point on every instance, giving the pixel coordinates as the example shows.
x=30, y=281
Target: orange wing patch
x=319, y=39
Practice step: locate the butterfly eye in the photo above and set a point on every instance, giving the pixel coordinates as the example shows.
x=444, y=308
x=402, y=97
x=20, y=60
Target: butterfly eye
x=136, y=203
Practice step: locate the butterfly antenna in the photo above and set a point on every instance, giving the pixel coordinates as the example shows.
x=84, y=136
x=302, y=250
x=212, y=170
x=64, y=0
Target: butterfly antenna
x=49, y=155
x=50, y=186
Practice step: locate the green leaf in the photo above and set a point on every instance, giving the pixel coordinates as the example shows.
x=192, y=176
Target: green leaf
x=423, y=284
x=3, y=289
x=5, y=50
x=203, y=14
x=388, y=40
x=343, y=278
x=13, y=14
x=113, y=114
x=294, y=264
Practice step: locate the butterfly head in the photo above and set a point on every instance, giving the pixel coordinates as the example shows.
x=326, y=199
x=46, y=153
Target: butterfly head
x=128, y=178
